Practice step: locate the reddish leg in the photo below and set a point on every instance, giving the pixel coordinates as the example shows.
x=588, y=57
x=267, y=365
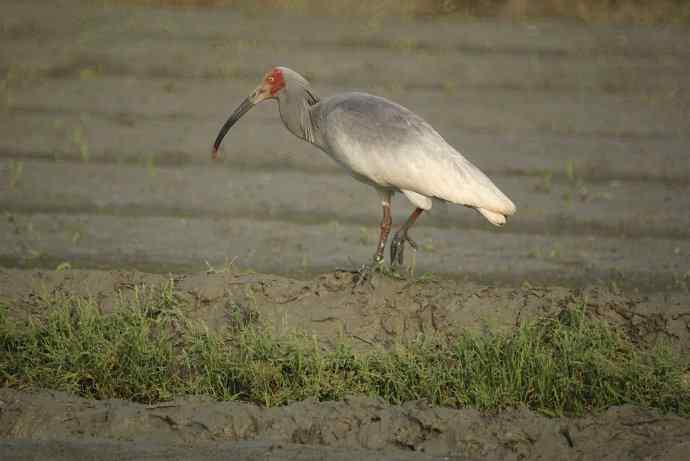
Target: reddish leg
x=368, y=269
x=386, y=222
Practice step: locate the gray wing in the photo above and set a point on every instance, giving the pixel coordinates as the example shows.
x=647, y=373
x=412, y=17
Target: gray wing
x=394, y=147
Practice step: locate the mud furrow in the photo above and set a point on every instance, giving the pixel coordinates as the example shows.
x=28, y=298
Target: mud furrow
x=166, y=244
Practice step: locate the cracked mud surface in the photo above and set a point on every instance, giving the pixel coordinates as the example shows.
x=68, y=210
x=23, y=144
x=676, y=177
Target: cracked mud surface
x=65, y=426
x=364, y=427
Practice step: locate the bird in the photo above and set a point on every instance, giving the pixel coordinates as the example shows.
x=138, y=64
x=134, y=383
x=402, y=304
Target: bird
x=381, y=144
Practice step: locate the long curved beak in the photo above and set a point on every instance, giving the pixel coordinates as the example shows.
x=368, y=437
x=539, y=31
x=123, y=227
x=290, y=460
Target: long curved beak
x=258, y=95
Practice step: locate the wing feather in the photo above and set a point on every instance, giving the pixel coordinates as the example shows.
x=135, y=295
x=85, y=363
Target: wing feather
x=394, y=147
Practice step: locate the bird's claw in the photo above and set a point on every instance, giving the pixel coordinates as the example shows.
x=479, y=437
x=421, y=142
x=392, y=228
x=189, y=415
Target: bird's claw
x=366, y=272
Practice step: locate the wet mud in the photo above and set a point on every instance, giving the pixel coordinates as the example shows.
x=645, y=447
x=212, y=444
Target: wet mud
x=65, y=426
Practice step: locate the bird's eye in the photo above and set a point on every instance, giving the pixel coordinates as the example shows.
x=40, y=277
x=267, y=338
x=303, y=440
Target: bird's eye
x=271, y=79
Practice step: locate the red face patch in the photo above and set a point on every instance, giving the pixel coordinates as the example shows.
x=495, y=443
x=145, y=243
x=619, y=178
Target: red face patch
x=275, y=80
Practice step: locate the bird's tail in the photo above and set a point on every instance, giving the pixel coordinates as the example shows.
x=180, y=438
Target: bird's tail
x=497, y=219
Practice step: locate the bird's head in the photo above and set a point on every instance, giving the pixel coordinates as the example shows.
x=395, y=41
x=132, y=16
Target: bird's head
x=271, y=85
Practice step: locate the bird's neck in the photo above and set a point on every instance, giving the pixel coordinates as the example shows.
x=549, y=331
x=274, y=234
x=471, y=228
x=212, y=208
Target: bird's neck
x=296, y=112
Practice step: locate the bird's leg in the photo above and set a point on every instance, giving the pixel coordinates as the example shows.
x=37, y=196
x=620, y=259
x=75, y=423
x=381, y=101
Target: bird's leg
x=386, y=222
x=400, y=237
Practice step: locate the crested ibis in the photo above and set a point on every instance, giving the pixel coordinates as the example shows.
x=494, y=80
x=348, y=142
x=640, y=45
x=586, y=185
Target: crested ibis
x=381, y=144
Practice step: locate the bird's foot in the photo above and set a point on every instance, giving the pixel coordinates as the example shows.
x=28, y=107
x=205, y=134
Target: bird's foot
x=398, y=250
x=367, y=271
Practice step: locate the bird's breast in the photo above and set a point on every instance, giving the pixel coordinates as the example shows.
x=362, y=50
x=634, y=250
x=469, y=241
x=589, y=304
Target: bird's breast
x=362, y=163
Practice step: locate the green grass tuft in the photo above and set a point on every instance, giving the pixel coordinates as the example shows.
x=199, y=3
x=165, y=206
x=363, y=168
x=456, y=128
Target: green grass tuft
x=148, y=350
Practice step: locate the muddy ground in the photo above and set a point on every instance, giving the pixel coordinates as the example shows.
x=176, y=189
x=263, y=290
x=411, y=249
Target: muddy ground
x=60, y=426
x=107, y=114
x=330, y=308
x=64, y=426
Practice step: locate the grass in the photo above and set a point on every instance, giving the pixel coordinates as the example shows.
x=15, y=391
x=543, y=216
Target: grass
x=80, y=140
x=16, y=169
x=148, y=350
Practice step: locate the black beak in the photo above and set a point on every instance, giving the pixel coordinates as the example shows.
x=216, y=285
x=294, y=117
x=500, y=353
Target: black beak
x=239, y=112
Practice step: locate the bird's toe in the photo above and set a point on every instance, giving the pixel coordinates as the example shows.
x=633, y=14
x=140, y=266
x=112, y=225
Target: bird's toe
x=366, y=273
